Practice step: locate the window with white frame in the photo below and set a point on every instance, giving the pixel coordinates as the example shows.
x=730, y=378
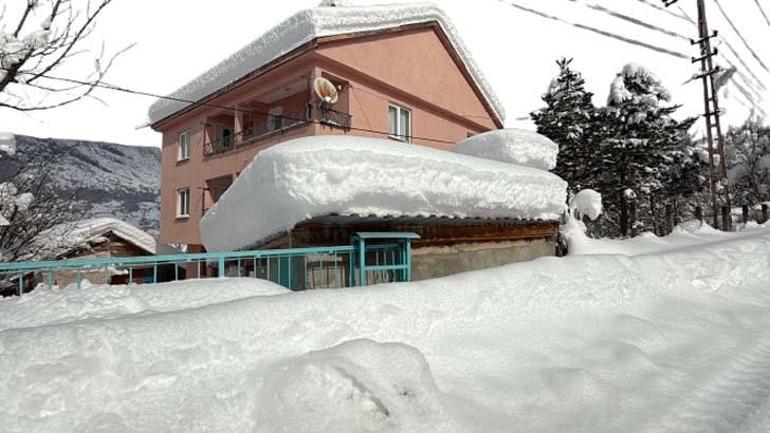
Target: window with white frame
x=183, y=203
x=184, y=146
x=399, y=123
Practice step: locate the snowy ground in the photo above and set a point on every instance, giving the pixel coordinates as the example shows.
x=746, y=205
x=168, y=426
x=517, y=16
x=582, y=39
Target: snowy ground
x=673, y=340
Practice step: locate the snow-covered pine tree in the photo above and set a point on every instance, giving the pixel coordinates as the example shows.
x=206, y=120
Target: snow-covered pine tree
x=747, y=153
x=567, y=119
x=644, y=151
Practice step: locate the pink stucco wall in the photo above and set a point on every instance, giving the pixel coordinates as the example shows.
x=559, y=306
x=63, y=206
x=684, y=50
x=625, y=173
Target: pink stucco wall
x=410, y=68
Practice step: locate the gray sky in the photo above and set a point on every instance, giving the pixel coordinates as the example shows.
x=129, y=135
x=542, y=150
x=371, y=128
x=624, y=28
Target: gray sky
x=178, y=39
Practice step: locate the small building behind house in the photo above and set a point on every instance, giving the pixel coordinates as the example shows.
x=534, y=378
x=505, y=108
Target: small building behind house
x=91, y=239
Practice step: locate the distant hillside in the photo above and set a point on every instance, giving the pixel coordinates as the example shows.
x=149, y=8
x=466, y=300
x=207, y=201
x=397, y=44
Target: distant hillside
x=108, y=179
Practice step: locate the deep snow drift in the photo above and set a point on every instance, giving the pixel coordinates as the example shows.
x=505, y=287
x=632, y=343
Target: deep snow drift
x=667, y=342
x=322, y=175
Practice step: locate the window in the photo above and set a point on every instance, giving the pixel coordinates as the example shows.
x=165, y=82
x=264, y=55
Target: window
x=183, y=203
x=399, y=123
x=184, y=146
x=275, y=121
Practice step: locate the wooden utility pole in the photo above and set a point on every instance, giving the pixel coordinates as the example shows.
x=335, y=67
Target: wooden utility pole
x=714, y=136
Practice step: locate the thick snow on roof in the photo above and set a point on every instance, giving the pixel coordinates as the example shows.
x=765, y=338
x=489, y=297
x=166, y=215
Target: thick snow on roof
x=316, y=176
x=308, y=25
x=516, y=146
x=60, y=240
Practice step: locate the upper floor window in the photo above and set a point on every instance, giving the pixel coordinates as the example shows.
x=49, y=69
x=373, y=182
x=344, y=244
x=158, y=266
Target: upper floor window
x=183, y=203
x=184, y=146
x=275, y=119
x=399, y=123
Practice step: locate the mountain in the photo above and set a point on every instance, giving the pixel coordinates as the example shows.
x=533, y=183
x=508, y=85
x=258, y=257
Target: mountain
x=107, y=179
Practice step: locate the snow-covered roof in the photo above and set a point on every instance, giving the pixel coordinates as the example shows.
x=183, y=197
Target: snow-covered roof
x=311, y=24
x=516, y=146
x=323, y=175
x=64, y=238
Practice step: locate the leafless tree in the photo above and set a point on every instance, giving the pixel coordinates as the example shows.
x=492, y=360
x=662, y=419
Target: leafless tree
x=28, y=203
x=42, y=37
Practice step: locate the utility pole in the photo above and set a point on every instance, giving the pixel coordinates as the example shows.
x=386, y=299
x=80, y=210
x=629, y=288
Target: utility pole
x=714, y=136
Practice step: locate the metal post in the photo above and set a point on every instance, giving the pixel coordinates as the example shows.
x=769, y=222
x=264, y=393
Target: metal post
x=362, y=260
x=745, y=213
x=221, y=266
x=50, y=279
x=765, y=215
x=408, y=260
x=21, y=284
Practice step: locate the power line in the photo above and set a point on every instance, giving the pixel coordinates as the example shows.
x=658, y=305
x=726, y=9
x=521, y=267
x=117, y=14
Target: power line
x=740, y=36
x=644, y=24
x=605, y=33
x=662, y=9
x=637, y=21
x=108, y=86
x=762, y=11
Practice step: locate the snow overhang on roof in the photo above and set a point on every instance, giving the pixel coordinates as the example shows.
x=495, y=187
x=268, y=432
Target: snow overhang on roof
x=308, y=25
x=317, y=176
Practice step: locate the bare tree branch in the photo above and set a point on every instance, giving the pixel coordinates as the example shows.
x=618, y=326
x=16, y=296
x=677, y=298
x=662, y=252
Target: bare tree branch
x=29, y=54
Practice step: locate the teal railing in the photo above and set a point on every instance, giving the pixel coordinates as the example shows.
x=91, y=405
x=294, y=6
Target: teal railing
x=371, y=259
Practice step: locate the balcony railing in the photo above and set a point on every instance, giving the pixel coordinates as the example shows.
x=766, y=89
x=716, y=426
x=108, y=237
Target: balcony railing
x=276, y=125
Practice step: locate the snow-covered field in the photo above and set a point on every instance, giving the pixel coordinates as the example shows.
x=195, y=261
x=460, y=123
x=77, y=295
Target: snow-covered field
x=673, y=340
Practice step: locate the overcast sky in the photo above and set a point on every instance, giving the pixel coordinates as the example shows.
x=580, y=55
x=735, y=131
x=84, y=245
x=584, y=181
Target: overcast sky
x=178, y=39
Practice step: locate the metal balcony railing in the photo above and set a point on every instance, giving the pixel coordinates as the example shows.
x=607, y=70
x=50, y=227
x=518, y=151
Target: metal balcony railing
x=275, y=125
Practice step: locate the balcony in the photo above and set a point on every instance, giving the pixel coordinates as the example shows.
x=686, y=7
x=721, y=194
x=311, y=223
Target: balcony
x=275, y=125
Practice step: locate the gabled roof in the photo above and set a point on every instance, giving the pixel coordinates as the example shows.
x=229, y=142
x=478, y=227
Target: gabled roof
x=66, y=238
x=308, y=25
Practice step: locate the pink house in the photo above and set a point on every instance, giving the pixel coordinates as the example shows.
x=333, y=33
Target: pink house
x=402, y=73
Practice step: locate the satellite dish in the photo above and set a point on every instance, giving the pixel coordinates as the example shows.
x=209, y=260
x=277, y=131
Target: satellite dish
x=325, y=90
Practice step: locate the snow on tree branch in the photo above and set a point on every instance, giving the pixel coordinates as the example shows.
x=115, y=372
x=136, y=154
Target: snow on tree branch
x=44, y=36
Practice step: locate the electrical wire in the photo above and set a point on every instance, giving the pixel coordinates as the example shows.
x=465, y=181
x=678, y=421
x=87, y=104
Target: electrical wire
x=108, y=86
x=605, y=33
x=740, y=36
x=762, y=11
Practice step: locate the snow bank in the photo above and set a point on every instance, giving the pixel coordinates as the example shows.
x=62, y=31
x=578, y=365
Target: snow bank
x=515, y=146
x=687, y=234
x=360, y=385
x=315, y=176
x=313, y=23
x=675, y=342
x=61, y=239
x=45, y=306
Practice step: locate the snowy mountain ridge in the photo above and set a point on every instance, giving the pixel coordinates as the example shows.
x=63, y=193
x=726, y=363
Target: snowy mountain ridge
x=107, y=179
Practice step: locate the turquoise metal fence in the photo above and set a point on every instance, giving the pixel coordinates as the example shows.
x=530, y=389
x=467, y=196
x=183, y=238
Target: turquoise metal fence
x=372, y=258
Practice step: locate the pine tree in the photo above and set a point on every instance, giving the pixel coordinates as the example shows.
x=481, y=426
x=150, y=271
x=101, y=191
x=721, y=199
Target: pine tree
x=747, y=153
x=645, y=152
x=568, y=119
